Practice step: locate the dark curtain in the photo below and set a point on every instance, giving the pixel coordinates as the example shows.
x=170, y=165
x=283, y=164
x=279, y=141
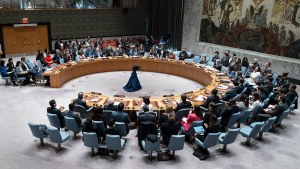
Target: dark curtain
x=166, y=18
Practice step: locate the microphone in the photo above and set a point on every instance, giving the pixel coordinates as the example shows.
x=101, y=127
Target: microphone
x=169, y=95
x=117, y=95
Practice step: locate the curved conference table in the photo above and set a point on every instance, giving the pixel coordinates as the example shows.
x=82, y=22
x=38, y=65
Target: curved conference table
x=208, y=77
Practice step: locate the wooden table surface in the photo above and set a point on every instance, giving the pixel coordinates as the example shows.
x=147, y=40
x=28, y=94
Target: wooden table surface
x=208, y=77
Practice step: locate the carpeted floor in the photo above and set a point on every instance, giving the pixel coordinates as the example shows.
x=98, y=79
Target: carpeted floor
x=19, y=149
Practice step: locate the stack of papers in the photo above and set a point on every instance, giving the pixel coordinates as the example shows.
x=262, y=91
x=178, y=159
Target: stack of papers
x=200, y=98
x=94, y=100
x=222, y=87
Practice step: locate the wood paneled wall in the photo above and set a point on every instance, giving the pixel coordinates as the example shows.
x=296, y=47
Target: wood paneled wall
x=25, y=39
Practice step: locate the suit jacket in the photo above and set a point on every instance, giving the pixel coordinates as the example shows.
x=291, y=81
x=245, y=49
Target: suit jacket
x=227, y=114
x=183, y=105
x=225, y=61
x=121, y=117
x=56, y=58
x=53, y=110
x=110, y=107
x=278, y=110
x=211, y=98
x=230, y=93
x=169, y=129
x=10, y=66
x=290, y=97
x=24, y=66
x=81, y=103
x=262, y=96
x=146, y=118
x=75, y=115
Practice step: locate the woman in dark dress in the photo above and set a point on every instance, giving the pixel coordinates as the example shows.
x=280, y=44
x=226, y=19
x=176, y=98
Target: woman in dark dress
x=133, y=83
x=98, y=115
x=169, y=128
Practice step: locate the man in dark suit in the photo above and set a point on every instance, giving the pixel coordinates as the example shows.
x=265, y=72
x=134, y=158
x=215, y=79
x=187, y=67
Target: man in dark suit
x=184, y=103
x=183, y=54
x=57, y=57
x=276, y=111
x=72, y=114
x=110, y=106
x=231, y=93
x=230, y=109
x=53, y=110
x=225, y=60
x=146, y=117
x=212, y=98
x=120, y=116
x=261, y=92
x=292, y=94
x=80, y=102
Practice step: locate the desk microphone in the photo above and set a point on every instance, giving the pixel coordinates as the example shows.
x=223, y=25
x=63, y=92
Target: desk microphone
x=169, y=95
x=117, y=95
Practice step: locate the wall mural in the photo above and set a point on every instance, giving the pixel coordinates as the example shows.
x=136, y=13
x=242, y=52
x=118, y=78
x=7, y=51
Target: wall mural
x=224, y=23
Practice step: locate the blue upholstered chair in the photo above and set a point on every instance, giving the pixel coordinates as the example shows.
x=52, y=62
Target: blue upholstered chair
x=210, y=140
x=36, y=132
x=265, y=103
x=196, y=59
x=54, y=121
x=121, y=128
x=210, y=64
x=72, y=125
x=224, y=69
x=83, y=112
x=5, y=78
x=283, y=116
x=176, y=143
x=182, y=113
x=243, y=118
x=228, y=138
x=195, y=128
x=57, y=136
x=274, y=78
x=291, y=107
x=244, y=70
x=268, y=125
x=251, y=132
x=233, y=119
x=149, y=146
x=115, y=143
x=90, y=140
x=19, y=78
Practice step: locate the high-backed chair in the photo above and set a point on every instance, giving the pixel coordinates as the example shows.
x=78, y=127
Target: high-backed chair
x=265, y=103
x=210, y=140
x=149, y=146
x=115, y=143
x=210, y=64
x=196, y=59
x=176, y=143
x=195, y=128
x=6, y=79
x=121, y=128
x=182, y=113
x=57, y=136
x=268, y=125
x=72, y=125
x=54, y=121
x=291, y=107
x=228, y=138
x=36, y=132
x=19, y=78
x=233, y=119
x=251, y=132
x=281, y=117
x=243, y=118
x=90, y=140
x=244, y=70
x=255, y=112
x=224, y=69
x=82, y=111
